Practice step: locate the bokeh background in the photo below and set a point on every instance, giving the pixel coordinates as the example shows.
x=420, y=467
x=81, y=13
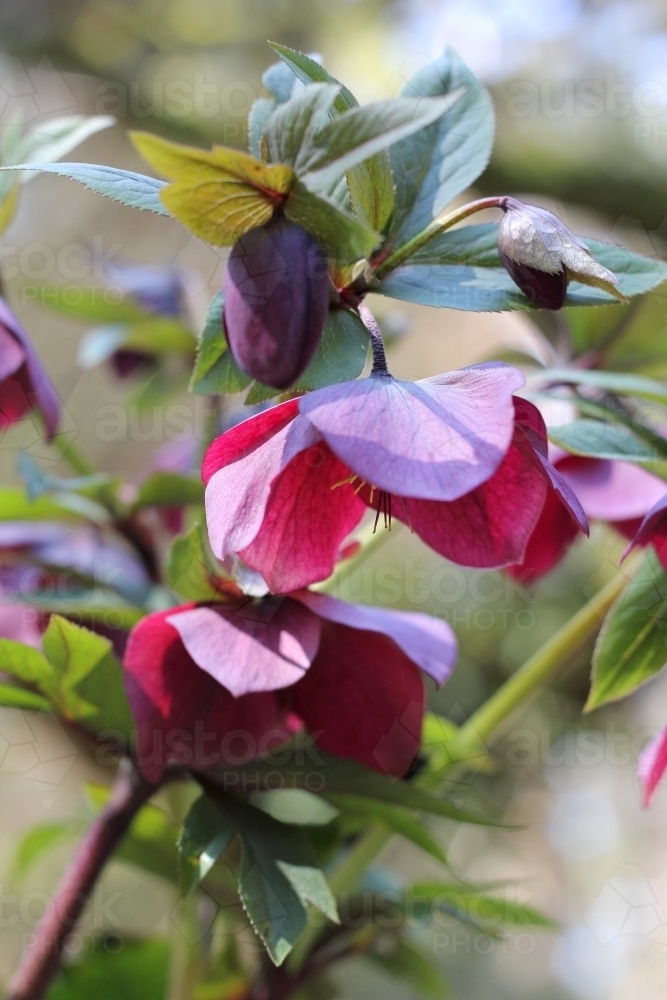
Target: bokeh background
x=580, y=92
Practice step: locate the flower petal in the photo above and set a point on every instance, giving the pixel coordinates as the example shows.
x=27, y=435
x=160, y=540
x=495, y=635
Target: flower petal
x=261, y=646
x=362, y=699
x=183, y=716
x=427, y=641
x=490, y=526
x=550, y=540
x=610, y=490
x=305, y=521
x=652, y=529
x=435, y=440
x=38, y=385
x=12, y=354
x=651, y=766
x=246, y=461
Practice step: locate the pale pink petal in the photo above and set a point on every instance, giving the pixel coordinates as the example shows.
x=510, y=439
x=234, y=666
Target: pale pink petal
x=305, y=521
x=436, y=439
x=261, y=646
x=238, y=492
x=651, y=766
x=12, y=354
x=21, y=622
x=428, y=642
x=610, y=490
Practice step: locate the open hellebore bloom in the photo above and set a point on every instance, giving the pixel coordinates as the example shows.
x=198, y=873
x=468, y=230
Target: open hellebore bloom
x=541, y=255
x=215, y=684
x=24, y=385
x=618, y=493
x=455, y=457
x=276, y=293
x=653, y=529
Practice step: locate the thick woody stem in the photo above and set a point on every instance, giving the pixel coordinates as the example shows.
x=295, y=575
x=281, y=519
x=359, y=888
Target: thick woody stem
x=41, y=959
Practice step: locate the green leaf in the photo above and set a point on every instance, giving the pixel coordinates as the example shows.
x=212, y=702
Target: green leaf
x=395, y=819
x=371, y=183
x=595, y=439
x=103, y=689
x=25, y=663
x=308, y=71
x=39, y=841
x=15, y=505
x=187, y=571
x=294, y=805
x=361, y=132
x=215, y=371
x=259, y=393
x=169, y=489
x=632, y=645
x=621, y=383
x=275, y=870
x=341, y=353
x=56, y=137
x=73, y=652
x=292, y=128
x=433, y=166
x=468, y=903
x=342, y=236
x=17, y=697
x=404, y=960
x=138, y=971
x=135, y=190
x=339, y=776
x=460, y=269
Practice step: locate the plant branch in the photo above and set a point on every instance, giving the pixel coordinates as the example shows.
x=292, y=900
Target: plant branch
x=552, y=659
x=41, y=959
x=439, y=225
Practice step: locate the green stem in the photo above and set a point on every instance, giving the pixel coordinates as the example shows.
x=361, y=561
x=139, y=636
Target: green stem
x=439, y=225
x=553, y=658
x=70, y=453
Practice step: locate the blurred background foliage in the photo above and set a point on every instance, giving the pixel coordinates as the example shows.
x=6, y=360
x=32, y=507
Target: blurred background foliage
x=580, y=92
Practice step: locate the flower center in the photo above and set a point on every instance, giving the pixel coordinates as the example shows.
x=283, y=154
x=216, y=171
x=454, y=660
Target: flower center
x=382, y=504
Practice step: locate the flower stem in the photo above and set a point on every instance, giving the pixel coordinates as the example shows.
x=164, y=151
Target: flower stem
x=70, y=453
x=41, y=959
x=553, y=658
x=439, y=225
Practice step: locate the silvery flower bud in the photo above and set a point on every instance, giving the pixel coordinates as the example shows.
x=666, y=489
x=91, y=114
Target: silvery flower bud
x=276, y=295
x=541, y=255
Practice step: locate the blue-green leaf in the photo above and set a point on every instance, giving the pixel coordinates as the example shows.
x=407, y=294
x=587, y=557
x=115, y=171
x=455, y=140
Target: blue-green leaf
x=125, y=186
x=596, y=439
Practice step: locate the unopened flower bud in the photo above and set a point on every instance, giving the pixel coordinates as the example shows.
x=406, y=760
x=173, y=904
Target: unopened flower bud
x=276, y=293
x=541, y=255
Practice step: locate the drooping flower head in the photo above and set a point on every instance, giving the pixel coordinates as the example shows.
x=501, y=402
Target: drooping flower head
x=24, y=385
x=542, y=255
x=218, y=683
x=617, y=493
x=276, y=295
x=455, y=457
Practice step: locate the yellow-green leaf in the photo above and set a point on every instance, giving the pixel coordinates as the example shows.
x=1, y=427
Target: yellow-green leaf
x=220, y=193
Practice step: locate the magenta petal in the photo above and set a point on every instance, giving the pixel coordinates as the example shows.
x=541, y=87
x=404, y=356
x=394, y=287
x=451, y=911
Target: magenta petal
x=43, y=395
x=651, y=766
x=428, y=642
x=242, y=439
x=12, y=354
x=261, y=646
x=565, y=493
x=305, y=522
x=363, y=699
x=436, y=439
x=653, y=528
x=238, y=492
x=488, y=527
x=183, y=716
x=611, y=491
x=552, y=536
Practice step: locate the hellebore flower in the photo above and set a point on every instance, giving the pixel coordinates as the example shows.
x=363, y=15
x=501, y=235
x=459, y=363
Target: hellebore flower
x=24, y=385
x=653, y=529
x=276, y=294
x=618, y=493
x=454, y=457
x=541, y=255
x=240, y=669
x=651, y=766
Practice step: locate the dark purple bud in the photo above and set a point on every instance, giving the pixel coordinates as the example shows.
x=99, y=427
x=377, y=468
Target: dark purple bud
x=276, y=292
x=546, y=290
x=126, y=362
